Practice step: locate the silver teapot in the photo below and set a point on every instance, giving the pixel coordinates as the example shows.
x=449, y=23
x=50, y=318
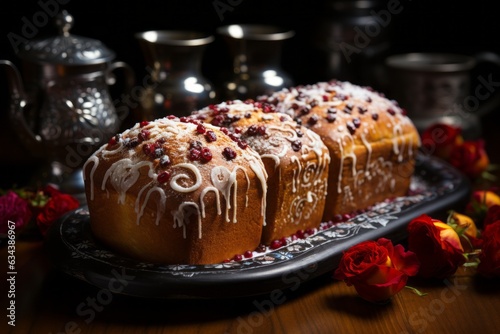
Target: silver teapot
x=61, y=105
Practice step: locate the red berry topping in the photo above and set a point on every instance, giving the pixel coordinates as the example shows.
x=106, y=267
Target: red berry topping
x=300, y=234
x=229, y=153
x=331, y=118
x=163, y=177
x=234, y=137
x=165, y=161
x=143, y=135
x=261, y=248
x=351, y=127
x=148, y=148
x=112, y=141
x=248, y=254
x=275, y=244
x=356, y=122
x=242, y=144
x=325, y=98
x=238, y=257
x=304, y=110
x=375, y=117
x=312, y=120
x=296, y=145
x=194, y=154
x=158, y=152
x=269, y=108
x=196, y=145
x=391, y=111
x=337, y=218
x=200, y=129
x=144, y=123
x=252, y=130
x=160, y=141
x=131, y=142
x=210, y=136
x=205, y=155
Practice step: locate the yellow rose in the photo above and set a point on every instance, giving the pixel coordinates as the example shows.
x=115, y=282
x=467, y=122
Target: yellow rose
x=464, y=224
x=466, y=228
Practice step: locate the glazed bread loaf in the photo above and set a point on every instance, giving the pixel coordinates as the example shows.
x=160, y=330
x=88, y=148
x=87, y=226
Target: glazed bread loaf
x=295, y=158
x=372, y=142
x=176, y=192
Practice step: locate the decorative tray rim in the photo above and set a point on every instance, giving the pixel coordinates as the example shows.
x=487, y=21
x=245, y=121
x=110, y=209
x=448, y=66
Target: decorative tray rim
x=435, y=187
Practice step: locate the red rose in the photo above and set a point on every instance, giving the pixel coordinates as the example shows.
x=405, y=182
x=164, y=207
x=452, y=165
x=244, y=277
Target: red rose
x=55, y=208
x=436, y=245
x=15, y=209
x=470, y=157
x=377, y=270
x=441, y=139
x=479, y=204
x=489, y=265
x=492, y=215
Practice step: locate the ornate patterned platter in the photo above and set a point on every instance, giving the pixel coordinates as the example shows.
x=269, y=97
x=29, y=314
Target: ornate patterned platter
x=436, y=187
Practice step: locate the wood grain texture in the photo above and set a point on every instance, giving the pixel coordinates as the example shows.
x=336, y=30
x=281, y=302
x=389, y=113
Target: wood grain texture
x=48, y=301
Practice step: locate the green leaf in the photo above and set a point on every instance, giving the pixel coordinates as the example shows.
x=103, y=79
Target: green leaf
x=416, y=291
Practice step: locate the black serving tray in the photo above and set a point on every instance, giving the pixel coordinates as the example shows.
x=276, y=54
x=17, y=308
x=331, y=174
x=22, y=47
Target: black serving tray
x=436, y=187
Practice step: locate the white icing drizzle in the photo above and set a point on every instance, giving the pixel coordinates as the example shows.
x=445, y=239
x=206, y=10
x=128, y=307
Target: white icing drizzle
x=202, y=202
x=259, y=170
x=183, y=214
x=273, y=157
x=95, y=160
x=225, y=180
x=123, y=174
x=160, y=204
x=198, y=178
x=380, y=170
x=368, y=150
x=296, y=173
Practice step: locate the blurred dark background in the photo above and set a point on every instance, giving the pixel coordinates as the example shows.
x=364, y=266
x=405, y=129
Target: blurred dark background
x=465, y=27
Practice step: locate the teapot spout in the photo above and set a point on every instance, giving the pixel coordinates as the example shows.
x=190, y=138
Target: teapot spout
x=18, y=105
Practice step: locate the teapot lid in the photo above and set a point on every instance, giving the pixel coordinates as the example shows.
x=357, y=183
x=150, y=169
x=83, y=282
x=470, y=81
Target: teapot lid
x=66, y=49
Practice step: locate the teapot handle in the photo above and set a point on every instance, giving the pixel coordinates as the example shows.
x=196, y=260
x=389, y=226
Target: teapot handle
x=487, y=91
x=129, y=76
x=18, y=104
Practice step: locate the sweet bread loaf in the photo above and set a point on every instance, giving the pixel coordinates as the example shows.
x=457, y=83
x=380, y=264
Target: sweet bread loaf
x=372, y=142
x=295, y=158
x=172, y=191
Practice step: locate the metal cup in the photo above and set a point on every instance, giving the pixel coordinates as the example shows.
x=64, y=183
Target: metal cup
x=438, y=87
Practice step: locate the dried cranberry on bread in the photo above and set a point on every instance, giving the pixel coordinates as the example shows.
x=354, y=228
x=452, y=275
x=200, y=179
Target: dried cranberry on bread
x=372, y=143
x=176, y=192
x=295, y=158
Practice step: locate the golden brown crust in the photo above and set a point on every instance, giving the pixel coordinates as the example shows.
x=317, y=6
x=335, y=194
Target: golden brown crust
x=296, y=162
x=152, y=197
x=372, y=142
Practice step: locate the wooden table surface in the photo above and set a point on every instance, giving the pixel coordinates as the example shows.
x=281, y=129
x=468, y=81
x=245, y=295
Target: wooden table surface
x=48, y=301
